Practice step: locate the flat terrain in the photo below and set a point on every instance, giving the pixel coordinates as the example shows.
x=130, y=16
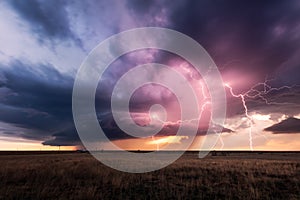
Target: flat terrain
x=67, y=175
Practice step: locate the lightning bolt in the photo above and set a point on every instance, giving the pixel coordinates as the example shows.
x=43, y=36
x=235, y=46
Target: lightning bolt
x=254, y=93
x=206, y=101
x=154, y=116
x=157, y=145
x=250, y=121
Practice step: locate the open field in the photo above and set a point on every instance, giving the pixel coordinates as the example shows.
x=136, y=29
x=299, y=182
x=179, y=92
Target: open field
x=67, y=175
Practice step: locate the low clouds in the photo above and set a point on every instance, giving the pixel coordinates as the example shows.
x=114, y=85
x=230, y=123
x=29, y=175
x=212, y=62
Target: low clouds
x=289, y=125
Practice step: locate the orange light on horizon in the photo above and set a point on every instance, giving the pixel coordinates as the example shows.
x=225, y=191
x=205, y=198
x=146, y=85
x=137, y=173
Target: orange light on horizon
x=29, y=145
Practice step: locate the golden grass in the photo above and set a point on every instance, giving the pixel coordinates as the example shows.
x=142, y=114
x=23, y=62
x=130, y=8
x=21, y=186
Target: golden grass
x=80, y=176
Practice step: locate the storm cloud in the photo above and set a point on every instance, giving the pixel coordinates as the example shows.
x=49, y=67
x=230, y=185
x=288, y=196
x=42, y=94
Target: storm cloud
x=47, y=19
x=289, y=125
x=37, y=100
x=252, y=40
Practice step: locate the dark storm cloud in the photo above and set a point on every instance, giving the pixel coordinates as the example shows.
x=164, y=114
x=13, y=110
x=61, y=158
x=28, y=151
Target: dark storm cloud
x=38, y=103
x=257, y=38
x=38, y=100
x=261, y=35
x=47, y=19
x=289, y=125
x=66, y=137
x=37, y=86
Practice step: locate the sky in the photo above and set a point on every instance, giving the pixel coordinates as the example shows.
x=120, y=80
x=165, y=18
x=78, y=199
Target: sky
x=255, y=45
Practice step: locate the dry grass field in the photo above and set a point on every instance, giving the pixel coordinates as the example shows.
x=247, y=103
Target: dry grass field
x=59, y=175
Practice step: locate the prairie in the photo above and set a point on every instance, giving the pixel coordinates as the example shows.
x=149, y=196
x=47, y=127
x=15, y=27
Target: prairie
x=71, y=175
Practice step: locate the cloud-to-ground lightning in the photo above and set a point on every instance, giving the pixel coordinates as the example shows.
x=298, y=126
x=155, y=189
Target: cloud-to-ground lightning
x=260, y=90
x=254, y=93
x=242, y=97
x=155, y=116
x=205, y=102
